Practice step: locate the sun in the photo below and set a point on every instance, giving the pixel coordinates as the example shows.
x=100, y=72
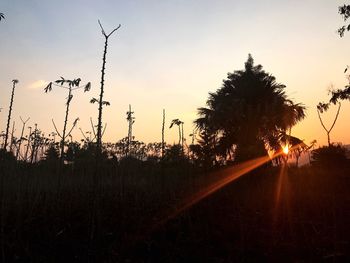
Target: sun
x=285, y=149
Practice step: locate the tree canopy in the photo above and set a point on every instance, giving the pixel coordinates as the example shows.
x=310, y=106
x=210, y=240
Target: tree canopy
x=248, y=113
x=344, y=11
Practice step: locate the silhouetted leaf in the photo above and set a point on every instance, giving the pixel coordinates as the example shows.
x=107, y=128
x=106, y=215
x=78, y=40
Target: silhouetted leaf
x=60, y=81
x=77, y=82
x=87, y=87
x=322, y=107
x=48, y=87
x=75, y=121
x=93, y=100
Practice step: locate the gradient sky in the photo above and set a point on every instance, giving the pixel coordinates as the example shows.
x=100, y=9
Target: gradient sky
x=167, y=54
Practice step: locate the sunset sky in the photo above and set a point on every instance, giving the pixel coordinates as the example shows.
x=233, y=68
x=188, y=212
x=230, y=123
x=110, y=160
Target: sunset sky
x=167, y=54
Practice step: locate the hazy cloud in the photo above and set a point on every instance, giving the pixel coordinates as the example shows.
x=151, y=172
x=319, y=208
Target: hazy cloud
x=38, y=84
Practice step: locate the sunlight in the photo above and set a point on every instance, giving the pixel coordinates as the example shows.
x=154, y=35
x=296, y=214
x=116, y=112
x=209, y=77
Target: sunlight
x=226, y=176
x=285, y=149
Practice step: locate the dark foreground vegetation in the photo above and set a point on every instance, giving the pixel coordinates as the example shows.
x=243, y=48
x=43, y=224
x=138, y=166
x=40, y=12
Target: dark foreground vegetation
x=46, y=213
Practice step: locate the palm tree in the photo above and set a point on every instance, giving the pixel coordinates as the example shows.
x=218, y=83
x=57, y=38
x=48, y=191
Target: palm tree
x=248, y=112
x=14, y=82
x=179, y=124
x=2, y=16
x=294, y=145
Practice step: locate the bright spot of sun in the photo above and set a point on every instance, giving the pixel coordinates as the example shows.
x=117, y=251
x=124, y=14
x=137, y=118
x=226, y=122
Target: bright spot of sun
x=285, y=149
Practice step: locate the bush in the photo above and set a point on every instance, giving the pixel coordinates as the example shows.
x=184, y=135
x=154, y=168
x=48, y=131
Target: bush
x=329, y=156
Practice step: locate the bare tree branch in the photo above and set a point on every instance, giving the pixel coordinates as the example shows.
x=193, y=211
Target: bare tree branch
x=56, y=129
x=336, y=117
x=104, y=129
x=83, y=134
x=93, y=128
x=103, y=31
x=23, y=120
x=74, y=124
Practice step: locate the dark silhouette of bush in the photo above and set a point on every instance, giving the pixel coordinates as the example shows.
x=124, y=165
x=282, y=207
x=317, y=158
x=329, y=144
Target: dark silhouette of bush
x=52, y=154
x=6, y=157
x=329, y=156
x=175, y=155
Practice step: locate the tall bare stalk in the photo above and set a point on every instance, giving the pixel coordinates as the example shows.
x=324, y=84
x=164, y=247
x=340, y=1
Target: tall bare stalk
x=14, y=82
x=131, y=120
x=101, y=102
x=163, y=143
x=21, y=138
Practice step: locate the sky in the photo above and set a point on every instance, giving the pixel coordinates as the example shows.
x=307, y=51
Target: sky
x=167, y=55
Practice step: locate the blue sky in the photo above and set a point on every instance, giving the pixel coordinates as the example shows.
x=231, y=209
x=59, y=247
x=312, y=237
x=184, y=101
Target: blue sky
x=167, y=54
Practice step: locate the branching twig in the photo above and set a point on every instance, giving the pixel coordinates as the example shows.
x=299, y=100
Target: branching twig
x=74, y=124
x=93, y=127
x=83, y=134
x=103, y=31
x=56, y=129
x=104, y=129
x=324, y=127
x=336, y=117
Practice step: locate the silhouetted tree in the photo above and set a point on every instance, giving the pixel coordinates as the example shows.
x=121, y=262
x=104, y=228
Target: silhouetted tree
x=163, y=141
x=344, y=11
x=52, y=153
x=28, y=144
x=2, y=16
x=131, y=120
x=14, y=82
x=205, y=152
x=174, y=154
x=179, y=124
x=100, y=101
x=72, y=85
x=295, y=146
x=248, y=112
x=21, y=137
x=154, y=151
x=321, y=107
x=339, y=94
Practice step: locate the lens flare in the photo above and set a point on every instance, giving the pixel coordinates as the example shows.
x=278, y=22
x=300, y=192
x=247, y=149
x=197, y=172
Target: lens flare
x=285, y=149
